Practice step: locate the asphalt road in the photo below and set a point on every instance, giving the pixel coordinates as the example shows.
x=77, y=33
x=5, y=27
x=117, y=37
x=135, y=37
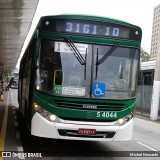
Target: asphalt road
x=15, y=137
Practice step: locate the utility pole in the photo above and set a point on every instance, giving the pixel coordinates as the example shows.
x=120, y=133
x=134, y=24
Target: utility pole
x=156, y=88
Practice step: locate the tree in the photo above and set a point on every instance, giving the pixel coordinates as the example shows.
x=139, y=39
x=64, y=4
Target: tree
x=144, y=55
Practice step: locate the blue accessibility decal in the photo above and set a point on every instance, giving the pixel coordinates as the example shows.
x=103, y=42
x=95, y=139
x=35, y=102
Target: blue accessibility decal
x=98, y=90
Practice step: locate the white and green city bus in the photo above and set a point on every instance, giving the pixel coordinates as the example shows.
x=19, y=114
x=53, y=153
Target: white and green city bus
x=78, y=78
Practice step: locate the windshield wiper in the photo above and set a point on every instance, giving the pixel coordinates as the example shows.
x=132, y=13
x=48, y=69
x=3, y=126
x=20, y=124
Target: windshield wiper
x=107, y=54
x=121, y=70
x=85, y=65
x=76, y=52
x=98, y=62
x=78, y=55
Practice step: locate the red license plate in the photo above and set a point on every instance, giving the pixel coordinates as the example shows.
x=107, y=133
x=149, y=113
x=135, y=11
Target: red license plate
x=87, y=131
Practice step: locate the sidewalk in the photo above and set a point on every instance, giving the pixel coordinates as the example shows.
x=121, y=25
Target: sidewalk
x=145, y=116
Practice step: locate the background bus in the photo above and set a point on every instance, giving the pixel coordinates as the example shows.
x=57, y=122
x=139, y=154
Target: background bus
x=78, y=78
x=145, y=86
x=14, y=79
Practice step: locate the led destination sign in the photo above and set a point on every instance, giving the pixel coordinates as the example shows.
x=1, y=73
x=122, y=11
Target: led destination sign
x=92, y=29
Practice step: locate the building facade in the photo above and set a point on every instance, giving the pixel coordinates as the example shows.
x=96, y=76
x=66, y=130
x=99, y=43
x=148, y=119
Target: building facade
x=155, y=32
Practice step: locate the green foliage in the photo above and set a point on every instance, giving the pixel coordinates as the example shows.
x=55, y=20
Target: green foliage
x=144, y=55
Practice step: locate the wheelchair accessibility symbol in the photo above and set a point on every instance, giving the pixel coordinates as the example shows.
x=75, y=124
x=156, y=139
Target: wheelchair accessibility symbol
x=98, y=90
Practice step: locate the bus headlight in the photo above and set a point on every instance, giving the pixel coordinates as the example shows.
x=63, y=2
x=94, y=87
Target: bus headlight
x=37, y=87
x=44, y=113
x=121, y=121
x=52, y=117
x=124, y=120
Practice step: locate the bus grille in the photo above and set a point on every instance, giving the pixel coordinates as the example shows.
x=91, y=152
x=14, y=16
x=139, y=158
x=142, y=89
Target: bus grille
x=74, y=133
x=89, y=106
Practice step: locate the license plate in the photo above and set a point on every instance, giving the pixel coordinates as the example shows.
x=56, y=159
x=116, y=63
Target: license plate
x=87, y=131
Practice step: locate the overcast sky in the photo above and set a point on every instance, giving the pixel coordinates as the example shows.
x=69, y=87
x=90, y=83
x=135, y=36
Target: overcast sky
x=138, y=12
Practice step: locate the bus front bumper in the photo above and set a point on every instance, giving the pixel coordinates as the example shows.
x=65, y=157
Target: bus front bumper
x=41, y=127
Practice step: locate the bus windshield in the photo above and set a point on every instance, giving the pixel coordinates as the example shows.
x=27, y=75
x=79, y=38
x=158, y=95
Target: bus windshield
x=61, y=73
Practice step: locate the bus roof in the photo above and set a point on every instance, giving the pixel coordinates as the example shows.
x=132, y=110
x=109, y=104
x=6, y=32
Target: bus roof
x=91, y=17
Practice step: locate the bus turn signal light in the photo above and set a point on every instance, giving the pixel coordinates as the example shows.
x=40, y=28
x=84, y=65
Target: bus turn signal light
x=36, y=106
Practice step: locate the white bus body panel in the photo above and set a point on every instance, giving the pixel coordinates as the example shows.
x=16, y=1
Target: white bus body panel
x=43, y=128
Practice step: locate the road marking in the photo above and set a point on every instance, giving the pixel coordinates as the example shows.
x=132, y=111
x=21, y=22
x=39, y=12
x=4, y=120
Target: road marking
x=15, y=117
x=18, y=136
x=148, y=121
x=14, y=112
x=20, y=150
x=147, y=146
x=16, y=124
x=4, y=126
